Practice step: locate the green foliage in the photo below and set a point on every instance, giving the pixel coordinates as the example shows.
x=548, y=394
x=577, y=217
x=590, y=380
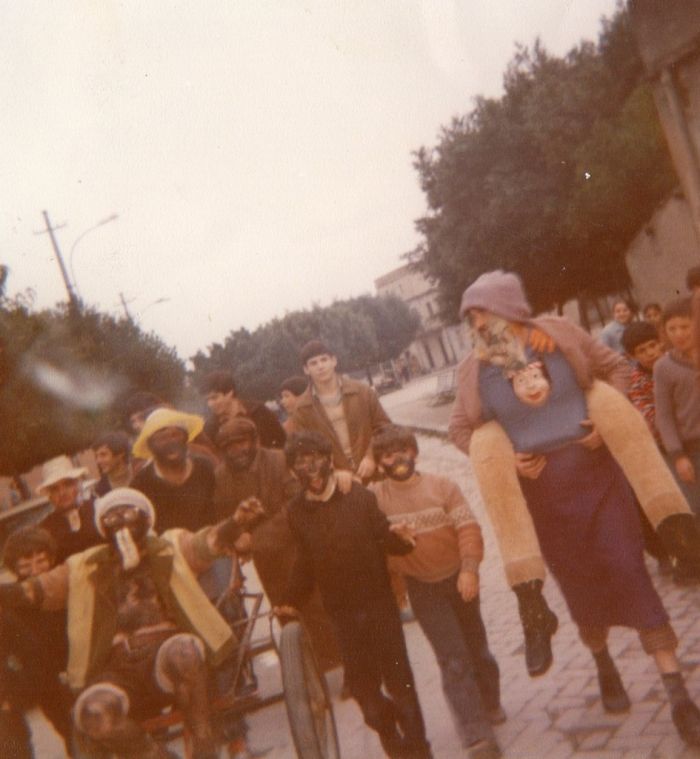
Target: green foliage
x=362, y=331
x=61, y=374
x=540, y=181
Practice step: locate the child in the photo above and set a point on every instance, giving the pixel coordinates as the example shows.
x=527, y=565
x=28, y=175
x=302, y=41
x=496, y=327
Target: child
x=677, y=399
x=342, y=539
x=442, y=579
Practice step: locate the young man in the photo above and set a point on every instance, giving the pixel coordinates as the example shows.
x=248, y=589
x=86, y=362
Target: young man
x=677, y=399
x=112, y=455
x=140, y=629
x=442, y=580
x=71, y=524
x=345, y=411
x=612, y=332
x=342, y=541
x=224, y=403
x=180, y=486
x=33, y=646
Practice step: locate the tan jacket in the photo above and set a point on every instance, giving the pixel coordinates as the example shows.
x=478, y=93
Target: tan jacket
x=363, y=412
x=588, y=357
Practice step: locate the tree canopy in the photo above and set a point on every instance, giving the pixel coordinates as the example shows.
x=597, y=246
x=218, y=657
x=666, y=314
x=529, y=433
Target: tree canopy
x=552, y=180
x=61, y=374
x=361, y=331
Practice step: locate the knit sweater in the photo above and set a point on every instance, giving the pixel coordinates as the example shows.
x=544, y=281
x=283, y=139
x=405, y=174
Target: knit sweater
x=677, y=398
x=448, y=537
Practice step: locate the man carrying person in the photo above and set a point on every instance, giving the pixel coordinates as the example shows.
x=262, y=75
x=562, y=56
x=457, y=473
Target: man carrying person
x=345, y=411
x=71, y=523
x=112, y=455
x=342, y=540
x=140, y=629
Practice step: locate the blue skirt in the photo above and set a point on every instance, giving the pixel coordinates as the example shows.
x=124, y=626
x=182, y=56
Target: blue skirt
x=589, y=531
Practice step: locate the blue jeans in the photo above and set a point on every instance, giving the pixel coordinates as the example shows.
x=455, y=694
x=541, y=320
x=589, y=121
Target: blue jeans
x=470, y=675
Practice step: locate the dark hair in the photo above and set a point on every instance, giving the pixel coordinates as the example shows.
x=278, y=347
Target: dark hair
x=655, y=305
x=392, y=438
x=637, y=333
x=236, y=428
x=305, y=442
x=681, y=307
x=24, y=542
x=117, y=442
x=314, y=348
x=140, y=401
x=220, y=381
x=295, y=385
x=692, y=277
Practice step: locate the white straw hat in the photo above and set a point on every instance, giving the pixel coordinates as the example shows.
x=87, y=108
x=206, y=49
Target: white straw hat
x=55, y=470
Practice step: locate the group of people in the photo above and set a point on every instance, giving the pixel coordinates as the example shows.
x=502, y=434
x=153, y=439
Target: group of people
x=111, y=616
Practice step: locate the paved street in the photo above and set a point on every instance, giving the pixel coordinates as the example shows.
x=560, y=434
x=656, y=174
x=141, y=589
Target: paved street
x=557, y=716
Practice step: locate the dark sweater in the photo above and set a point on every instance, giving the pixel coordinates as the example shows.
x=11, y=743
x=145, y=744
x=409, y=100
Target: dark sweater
x=70, y=542
x=342, y=545
x=270, y=431
x=189, y=505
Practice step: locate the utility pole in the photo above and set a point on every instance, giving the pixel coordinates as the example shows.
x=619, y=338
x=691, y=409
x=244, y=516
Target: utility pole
x=125, y=307
x=73, y=300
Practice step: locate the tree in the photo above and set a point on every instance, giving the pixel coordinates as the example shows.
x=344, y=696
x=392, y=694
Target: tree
x=539, y=181
x=362, y=331
x=62, y=374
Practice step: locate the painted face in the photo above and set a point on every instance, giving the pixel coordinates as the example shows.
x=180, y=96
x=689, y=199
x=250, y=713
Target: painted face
x=320, y=368
x=239, y=454
x=312, y=470
x=494, y=340
x=33, y=564
x=126, y=527
x=622, y=313
x=531, y=386
x=679, y=330
x=648, y=353
x=169, y=446
x=64, y=494
x=219, y=403
x=399, y=464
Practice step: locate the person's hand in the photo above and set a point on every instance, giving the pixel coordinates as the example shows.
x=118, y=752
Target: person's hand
x=344, y=478
x=406, y=531
x=685, y=469
x=529, y=465
x=248, y=512
x=244, y=547
x=285, y=613
x=367, y=468
x=593, y=440
x=468, y=585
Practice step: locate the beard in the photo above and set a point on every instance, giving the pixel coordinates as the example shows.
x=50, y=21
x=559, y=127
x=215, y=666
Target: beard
x=498, y=345
x=402, y=469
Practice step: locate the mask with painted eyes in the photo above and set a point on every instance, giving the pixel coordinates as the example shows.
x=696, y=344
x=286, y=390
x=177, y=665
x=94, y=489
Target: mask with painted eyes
x=531, y=385
x=126, y=527
x=496, y=343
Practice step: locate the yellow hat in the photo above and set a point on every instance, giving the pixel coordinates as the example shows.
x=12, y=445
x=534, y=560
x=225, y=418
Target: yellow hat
x=161, y=418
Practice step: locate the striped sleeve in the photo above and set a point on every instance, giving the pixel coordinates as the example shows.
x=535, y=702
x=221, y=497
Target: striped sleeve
x=470, y=540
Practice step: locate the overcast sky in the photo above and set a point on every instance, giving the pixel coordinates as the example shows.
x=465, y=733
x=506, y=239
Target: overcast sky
x=258, y=154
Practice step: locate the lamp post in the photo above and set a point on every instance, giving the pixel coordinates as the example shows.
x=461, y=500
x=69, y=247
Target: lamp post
x=107, y=220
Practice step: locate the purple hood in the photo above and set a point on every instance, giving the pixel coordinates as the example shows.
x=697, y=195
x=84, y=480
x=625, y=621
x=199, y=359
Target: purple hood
x=501, y=293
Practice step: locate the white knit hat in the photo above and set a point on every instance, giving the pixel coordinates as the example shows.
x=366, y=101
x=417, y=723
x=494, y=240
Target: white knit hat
x=123, y=497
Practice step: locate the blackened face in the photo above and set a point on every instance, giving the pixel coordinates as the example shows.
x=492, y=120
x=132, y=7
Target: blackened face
x=169, y=446
x=312, y=470
x=399, y=464
x=240, y=453
x=125, y=517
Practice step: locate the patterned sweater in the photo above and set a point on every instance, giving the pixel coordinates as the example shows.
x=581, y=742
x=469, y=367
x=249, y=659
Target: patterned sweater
x=448, y=536
x=641, y=394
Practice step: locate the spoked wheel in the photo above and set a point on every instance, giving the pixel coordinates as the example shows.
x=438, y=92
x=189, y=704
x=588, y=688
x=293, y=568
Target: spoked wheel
x=309, y=707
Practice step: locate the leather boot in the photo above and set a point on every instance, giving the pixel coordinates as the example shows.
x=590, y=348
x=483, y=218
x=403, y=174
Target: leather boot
x=539, y=625
x=612, y=691
x=680, y=535
x=686, y=718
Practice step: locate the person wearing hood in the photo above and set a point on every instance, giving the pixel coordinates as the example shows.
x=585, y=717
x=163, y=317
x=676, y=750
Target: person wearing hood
x=533, y=397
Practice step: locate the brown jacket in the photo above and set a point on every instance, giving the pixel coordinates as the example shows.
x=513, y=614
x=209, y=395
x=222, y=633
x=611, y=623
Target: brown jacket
x=589, y=359
x=363, y=412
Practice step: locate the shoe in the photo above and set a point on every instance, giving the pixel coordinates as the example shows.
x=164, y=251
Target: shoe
x=496, y=716
x=681, y=538
x=686, y=718
x=484, y=749
x=612, y=692
x=539, y=625
x=686, y=572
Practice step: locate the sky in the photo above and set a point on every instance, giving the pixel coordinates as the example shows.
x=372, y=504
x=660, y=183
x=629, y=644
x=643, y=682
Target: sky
x=257, y=155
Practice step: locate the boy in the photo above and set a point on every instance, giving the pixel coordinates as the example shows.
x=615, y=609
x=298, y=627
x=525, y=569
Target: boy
x=291, y=391
x=677, y=399
x=442, y=579
x=341, y=541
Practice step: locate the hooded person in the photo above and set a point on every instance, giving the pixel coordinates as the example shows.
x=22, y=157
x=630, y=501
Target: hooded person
x=533, y=398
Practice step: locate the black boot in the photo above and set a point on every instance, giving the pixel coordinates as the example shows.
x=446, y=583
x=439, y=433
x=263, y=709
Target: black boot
x=612, y=691
x=685, y=715
x=539, y=625
x=680, y=535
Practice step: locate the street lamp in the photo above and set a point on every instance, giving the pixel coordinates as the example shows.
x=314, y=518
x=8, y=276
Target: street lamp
x=107, y=220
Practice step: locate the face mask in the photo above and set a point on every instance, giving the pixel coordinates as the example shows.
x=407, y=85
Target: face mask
x=496, y=344
x=125, y=534
x=401, y=469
